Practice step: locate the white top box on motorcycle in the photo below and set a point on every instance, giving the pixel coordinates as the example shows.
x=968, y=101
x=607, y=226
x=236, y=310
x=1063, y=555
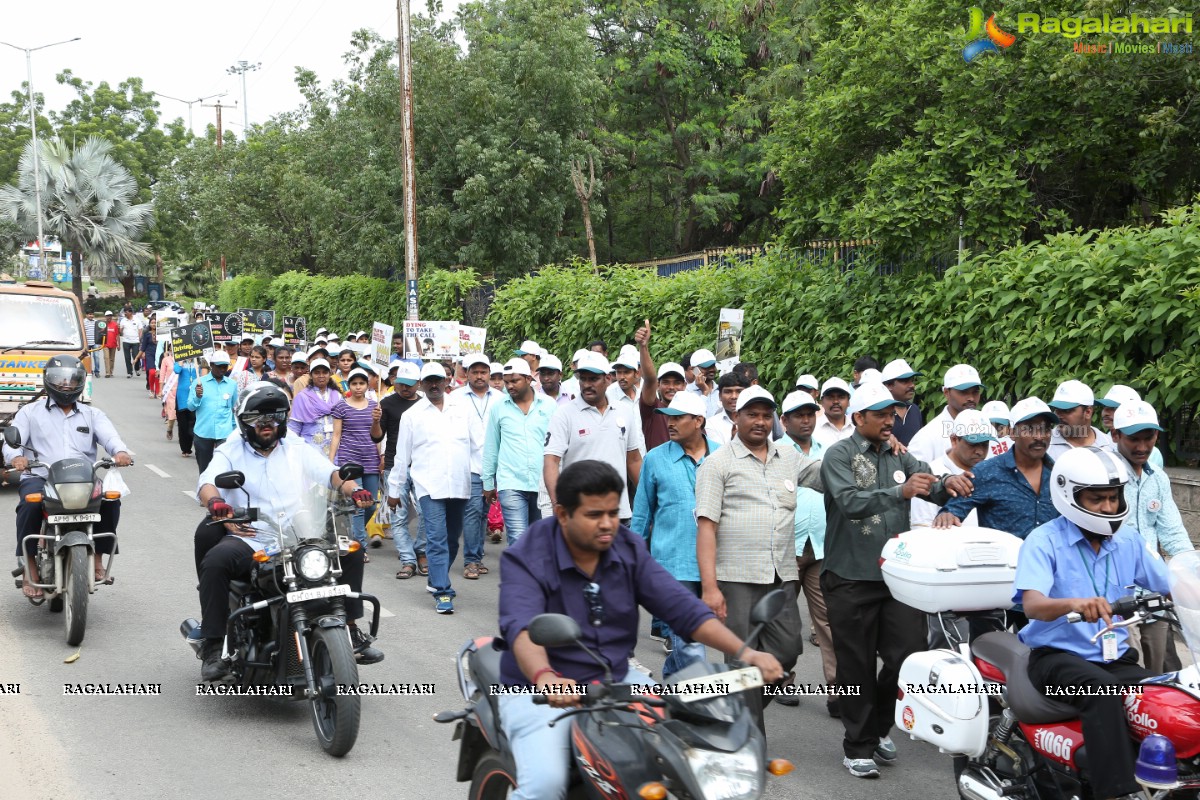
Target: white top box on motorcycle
x=960, y=569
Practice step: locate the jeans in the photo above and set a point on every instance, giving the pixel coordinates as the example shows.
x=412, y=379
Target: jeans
x=542, y=754
x=130, y=348
x=474, y=523
x=406, y=549
x=443, y=527
x=683, y=651
x=520, y=508
x=358, y=521
x=204, y=451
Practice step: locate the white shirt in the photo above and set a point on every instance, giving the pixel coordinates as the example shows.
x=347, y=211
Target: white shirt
x=623, y=402
x=278, y=484
x=478, y=409
x=828, y=435
x=1059, y=445
x=131, y=332
x=57, y=434
x=922, y=512
x=570, y=387
x=579, y=431
x=719, y=428
x=434, y=446
x=933, y=440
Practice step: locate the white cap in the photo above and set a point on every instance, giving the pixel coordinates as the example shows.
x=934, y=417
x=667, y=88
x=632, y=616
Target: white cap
x=529, y=348
x=578, y=354
x=593, y=362
x=550, y=362
x=835, y=383
x=751, y=394
x=433, y=369
x=671, y=368
x=870, y=375
x=299, y=357
x=795, y=400
x=703, y=358
x=995, y=411
x=1135, y=417
x=1071, y=394
x=685, y=403
x=807, y=381
x=973, y=426
x=497, y=367
x=962, y=377
x=873, y=396
x=476, y=358
x=406, y=373
x=359, y=371
x=1118, y=395
x=1029, y=408
x=628, y=358
x=517, y=366
x=219, y=357
x=898, y=370
x=318, y=362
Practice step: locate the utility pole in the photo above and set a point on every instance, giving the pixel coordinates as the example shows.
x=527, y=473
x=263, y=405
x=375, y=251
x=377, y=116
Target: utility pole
x=408, y=157
x=241, y=68
x=189, y=104
x=220, y=130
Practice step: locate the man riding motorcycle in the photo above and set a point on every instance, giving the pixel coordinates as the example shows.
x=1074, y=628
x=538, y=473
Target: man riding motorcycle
x=275, y=469
x=56, y=428
x=1082, y=562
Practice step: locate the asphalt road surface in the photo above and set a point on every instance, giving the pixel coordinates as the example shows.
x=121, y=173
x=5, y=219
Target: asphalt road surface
x=58, y=746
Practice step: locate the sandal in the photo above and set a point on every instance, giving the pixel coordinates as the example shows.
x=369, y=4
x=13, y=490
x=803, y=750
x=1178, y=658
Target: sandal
x=406, y=572
x=482, y=569
x=366, y=559
x=170, y=435
x=471, y=572
x=422, y=565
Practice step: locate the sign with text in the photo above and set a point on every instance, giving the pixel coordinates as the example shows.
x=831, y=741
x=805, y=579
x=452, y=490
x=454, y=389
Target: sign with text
x=471, y=340
x=256, y=321
x=430, y=340
x=729, y=339
x=295, y=331
x=226, y=326
x=381, y=343
x=193, y=341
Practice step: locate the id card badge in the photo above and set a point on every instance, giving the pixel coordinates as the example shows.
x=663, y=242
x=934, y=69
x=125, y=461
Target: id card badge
x=328, y=424
x=1108, y=646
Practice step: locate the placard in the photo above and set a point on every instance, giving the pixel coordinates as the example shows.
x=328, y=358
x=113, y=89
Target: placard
x=256, y=321
x=381, y=343
x=431, y=340
x=295, y=331
x=193, y=341
x=471, y=340
x=226, y=326
x=729, y=339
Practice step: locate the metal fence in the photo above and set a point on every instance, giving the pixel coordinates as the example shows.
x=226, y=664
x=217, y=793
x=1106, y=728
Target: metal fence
x=846, y=255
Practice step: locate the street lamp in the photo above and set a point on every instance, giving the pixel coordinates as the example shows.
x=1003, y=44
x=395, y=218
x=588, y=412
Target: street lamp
x=37, y=169
x=189, y=104
x=241, y=68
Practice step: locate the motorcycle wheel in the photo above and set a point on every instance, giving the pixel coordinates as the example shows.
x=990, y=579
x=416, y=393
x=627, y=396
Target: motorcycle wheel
x=494, y=777
x=336, y=718
x=79, y=576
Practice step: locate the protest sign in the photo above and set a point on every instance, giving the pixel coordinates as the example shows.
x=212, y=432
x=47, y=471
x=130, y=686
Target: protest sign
x=729, y=339
x=381, y=343
x=192, y=341
x=226, y=326
x=471, y=340
x=256, y=321
x=295, y=331
x=431, y=340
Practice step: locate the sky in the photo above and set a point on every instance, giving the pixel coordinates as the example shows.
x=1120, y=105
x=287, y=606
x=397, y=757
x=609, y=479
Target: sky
x=184, y=49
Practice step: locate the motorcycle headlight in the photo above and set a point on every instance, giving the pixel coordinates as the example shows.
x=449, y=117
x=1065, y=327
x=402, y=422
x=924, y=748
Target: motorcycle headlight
x=727, y=776
x=313, y=564
x=73, y=495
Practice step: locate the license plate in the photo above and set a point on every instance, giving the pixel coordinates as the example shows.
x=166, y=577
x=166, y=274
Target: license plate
x=737, y=680
x=318, y=593
x=66, y=519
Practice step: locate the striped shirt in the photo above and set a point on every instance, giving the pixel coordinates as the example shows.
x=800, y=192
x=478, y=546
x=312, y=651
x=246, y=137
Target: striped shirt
x=355, y=444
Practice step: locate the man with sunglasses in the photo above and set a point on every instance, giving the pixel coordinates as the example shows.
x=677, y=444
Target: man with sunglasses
x=583, y=563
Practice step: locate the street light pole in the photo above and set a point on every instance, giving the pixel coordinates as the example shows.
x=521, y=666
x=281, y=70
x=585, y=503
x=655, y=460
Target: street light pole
x=408, y=157
x=241, y=68
x=189, y=104
x=37, y=166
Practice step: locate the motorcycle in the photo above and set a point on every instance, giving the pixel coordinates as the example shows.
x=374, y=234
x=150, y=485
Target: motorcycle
x=287, y=629
x=71, y=503
x=686, y=744
x=1032, y=746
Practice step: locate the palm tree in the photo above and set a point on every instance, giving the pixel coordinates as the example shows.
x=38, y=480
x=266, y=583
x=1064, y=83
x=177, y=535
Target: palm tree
x=88, y=202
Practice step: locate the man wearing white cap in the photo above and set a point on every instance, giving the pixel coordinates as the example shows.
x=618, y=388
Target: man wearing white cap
x=570, y=387
x=623, y=391
x=809, y=383
x=720, y=426
x=969, y=441
x=659, y=387
x=704, y=378
x=1152, y=513
x=997, y=413
x=386, y=429
x=1112, y=399
x=832, y=425
x=496, y=381
x=213, y=400
x=868, y=488
x=1074, y=403
x=478, y=398
x=900, y=379
x=513, y=449
x=961, y=388
x=531, y=351
x=550, y=376
x=590, y=428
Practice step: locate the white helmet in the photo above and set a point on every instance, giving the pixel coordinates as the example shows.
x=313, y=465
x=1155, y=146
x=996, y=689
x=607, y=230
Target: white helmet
x=1088, y=468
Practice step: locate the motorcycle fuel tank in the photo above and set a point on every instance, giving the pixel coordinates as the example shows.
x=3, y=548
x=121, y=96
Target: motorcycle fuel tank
x=1167, y=710
x=614, y=761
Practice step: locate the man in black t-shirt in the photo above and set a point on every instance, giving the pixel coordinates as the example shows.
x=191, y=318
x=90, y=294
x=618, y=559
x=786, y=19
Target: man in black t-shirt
x=404, y=377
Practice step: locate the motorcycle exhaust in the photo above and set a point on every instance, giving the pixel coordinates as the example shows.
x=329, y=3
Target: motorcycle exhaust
x=972, y=788
x=190, y=629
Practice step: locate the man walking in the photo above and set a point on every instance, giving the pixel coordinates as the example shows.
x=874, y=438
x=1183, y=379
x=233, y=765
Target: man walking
x=900, y=379
x=90, y=329
x=387, y=429
x=478, y=399
x=213, y=401
x=110, y=340
x=1075, y=404
x=961, y=388
x=832, y=426
x=969, y=442
x=131, y=341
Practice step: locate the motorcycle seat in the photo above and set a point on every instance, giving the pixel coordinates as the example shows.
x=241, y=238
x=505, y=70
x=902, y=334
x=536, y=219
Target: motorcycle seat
x=240, y=588
x=485, y=666
x=1011, y=656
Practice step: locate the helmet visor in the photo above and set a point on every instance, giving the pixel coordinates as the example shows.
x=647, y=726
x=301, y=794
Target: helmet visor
x=272, y=419
x=65, y=379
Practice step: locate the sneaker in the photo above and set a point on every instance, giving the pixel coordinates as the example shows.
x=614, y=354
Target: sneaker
x=667, y=645
x=885, y=751
x=363, y=652
x=429, y=587
x=640, y=667
x=445, y=604
x=861, y=767
x=213, y=668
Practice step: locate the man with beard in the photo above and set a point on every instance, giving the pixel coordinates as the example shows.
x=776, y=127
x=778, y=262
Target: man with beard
x=961, y=388
x=1075, y=404
x=704, y=369
x=658, y=389
x=900, y=379
x=832, y=426
x=549, y=372
x=391, y=410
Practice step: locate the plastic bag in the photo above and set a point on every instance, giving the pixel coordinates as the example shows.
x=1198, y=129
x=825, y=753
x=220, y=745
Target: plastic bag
x=380, y=521
x=495, y=517
x=113, y=482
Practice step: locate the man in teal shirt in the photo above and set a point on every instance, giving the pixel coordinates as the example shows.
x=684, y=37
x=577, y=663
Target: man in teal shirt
x=213, y=400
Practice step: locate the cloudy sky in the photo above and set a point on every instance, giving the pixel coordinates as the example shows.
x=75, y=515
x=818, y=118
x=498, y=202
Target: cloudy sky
x=184, y=49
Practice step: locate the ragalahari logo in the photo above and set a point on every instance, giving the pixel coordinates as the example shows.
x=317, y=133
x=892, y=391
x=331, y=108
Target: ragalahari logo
x=985, y=37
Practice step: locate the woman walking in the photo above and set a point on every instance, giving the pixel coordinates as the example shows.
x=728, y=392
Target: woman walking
x=256, y=370
x=169, y=381
x=312, y=410
x=353, y=419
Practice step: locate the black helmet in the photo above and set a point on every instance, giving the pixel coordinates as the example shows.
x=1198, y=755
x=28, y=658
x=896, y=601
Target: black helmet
x=64, y=378
x=263, y=398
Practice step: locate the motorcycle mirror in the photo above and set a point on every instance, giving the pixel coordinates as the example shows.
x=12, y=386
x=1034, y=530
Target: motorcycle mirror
x=12, y=436
x=768, y=608
x=350, y=471
x=230, y=480
x=554, y=630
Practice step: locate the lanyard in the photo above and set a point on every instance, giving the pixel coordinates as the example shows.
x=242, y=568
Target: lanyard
x=487, y=398
x=1092, y=574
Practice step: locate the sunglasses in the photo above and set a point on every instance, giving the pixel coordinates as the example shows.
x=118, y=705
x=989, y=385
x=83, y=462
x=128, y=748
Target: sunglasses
x=591, y=593
x=271, y=420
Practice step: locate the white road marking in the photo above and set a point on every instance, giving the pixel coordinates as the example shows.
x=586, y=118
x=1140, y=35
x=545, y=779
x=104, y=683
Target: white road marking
x=156, y=471
x=383, y=612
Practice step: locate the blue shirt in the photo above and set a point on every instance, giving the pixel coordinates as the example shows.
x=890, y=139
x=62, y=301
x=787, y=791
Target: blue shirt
x=538, y=576
x=666, y=503
x=57, y=434
x=214, y=411
x=513, y=444
x=1057, y=560
x=1004, y=498
x=1152, y=510
x=810, y=508
x=183, y=389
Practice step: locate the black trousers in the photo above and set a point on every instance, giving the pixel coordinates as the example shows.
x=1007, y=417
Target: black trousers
x=1109, y=748
x=130, y=348
x=221, y=558
x=866, y=621
x=204, y=451
x=783, y=637
x=186, y=422
x=29, y=519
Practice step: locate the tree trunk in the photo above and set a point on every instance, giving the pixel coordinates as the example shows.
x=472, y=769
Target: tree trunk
x=158, y=266
x=77, y=273
x=584, y=191
x=127, y=282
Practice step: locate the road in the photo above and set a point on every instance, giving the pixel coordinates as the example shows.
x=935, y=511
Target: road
x=181, y=745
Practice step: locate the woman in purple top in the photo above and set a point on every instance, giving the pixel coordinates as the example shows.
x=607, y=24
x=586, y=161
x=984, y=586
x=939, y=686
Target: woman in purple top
x=353, y=419
x=312, y=410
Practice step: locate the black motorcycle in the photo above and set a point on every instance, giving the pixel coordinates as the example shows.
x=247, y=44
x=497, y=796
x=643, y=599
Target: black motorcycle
x=288, y=626
x=66, y=545
x=697, y=741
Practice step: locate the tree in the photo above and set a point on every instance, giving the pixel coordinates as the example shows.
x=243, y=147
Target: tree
x=88, y=202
